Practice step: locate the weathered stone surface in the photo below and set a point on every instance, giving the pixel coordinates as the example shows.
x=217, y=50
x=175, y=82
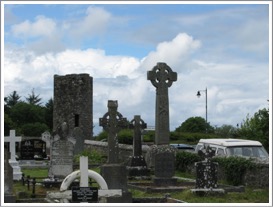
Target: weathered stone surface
x=112, y=122
x=62, y=148
x=8, y=179
x=73, y=103
x=162, y=77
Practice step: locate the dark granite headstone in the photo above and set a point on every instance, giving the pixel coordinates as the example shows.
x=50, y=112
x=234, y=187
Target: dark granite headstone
x=33, y=148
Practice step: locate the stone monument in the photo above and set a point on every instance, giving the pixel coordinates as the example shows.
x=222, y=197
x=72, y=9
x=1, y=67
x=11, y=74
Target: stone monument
x=114, y=173
x=62, y=148
x=12, y=139
x=206, y=173
x=162, y=77
x=161, y=154
x=8, y=179
x=137, y=165
x=73, y=103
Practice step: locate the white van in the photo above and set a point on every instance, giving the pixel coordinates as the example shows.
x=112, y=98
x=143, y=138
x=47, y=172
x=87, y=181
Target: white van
x=235, y=147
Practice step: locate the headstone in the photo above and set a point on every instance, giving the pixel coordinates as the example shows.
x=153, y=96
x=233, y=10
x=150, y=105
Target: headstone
x=33, y=149
x=206, y=173
x=137, y=165
x=61, y=159
x=162, y=77
x=84, y=193
x=12, y=139
x=8, y=179
x=113, y=172
x=161, y=154
x=112, y=122
x=46, y=137
x=79, y=137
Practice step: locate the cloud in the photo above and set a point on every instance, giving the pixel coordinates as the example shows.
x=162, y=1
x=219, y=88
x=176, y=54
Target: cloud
x=94, y=22
x=42, y=26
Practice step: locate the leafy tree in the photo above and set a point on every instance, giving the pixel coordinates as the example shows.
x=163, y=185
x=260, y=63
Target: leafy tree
x=8, y=124
x=257, y=127
x=33, y=99
x=33, y=129
x=226, y=131
x=49, y=113
x=194, y=125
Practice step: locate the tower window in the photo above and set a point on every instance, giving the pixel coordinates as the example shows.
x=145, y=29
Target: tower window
x=77, y=120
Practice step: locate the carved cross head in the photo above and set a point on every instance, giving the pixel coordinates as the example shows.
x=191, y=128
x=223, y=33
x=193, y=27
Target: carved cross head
x=137, y=122
x=162, y=76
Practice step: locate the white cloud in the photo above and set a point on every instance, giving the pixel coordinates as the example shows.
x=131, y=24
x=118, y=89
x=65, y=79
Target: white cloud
x=42, y=26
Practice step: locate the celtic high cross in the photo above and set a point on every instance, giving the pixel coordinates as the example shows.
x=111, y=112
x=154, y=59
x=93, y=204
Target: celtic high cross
x=112, y=122
x=162, y=78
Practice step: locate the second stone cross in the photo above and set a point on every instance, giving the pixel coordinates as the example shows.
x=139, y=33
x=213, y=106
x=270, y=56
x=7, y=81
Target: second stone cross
x=162, y=78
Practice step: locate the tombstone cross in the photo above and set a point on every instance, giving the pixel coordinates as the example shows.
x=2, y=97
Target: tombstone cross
x=112, y=122
x=162, y=77
x=137, y=124
x=12, y=139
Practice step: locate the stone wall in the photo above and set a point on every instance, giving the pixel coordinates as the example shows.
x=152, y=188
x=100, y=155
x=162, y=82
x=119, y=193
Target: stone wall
x=125, y=151
x=73, y=102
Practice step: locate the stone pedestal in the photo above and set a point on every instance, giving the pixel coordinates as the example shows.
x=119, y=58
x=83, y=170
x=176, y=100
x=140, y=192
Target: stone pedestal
x=17, y=173
x=115, y=176
x=8, y=180
x=137, y=166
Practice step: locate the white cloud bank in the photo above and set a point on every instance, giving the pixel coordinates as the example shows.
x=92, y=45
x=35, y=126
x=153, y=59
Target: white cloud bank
x=232, y=88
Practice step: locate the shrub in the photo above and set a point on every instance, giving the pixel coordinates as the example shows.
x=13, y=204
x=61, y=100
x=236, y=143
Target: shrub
x=94, y=156
x=185, y=160
x=234, y=168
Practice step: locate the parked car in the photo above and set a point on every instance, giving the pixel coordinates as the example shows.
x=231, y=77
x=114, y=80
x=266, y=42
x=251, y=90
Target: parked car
x=235, y=147
x=186, y=147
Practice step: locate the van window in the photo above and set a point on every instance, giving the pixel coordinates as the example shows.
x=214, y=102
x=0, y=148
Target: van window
x=220, y=151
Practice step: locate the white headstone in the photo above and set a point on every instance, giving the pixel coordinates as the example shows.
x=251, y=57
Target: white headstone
x=12, y=139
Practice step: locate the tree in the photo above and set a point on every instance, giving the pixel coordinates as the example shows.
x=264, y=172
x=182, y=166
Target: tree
x=49, y=113
x=194, y=125
x=257, y=127
x=33, y=99
x=11, y=100
x=226, y=131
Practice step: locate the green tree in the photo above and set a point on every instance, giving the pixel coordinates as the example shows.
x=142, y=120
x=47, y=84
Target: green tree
x=49, y=114
x=257, y=127
x=33, y=129
x=33, y=98
x=195, y=125
x=226, y=131
x=8, y=124
x=11, y=100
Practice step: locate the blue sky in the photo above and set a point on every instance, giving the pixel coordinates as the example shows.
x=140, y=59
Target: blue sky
x=224, y=47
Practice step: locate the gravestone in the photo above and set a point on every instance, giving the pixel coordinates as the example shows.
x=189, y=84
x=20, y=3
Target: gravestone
x=114, y=173
x=46, y=137
x=33, y=149
x=79, y=137
x=12, y=139
x=162, y=77
x=83, y=193
x=162, y=156
x=206, y=173
x=62, y=148
x=8, y=179
x=137, y=165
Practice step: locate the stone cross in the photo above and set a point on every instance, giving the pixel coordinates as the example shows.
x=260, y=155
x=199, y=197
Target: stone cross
x=12, y=139
x=112, y=122
x=162, y=77
x=137, y=124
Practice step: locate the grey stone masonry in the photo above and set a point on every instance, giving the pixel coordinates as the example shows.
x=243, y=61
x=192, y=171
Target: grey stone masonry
x=112, y=122
x=73, y=103
x=8, y=179
x=162, y=77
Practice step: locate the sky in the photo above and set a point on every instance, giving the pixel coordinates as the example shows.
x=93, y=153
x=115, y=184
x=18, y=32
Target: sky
x=223, y=48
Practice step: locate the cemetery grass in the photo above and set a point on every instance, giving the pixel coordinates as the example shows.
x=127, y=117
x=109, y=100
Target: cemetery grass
x=250, y=195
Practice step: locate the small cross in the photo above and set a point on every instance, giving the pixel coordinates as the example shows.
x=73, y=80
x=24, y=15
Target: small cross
x=137, y=124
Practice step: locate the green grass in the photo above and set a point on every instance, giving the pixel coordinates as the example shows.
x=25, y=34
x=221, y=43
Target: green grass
x=249, y=196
